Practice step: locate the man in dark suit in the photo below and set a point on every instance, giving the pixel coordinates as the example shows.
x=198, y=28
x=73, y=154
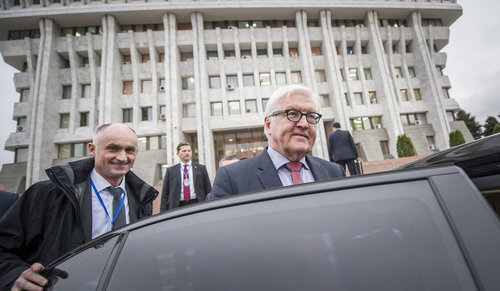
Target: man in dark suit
x=290, y=125
x=186, y=182
x=6, y=200
x=341, y=148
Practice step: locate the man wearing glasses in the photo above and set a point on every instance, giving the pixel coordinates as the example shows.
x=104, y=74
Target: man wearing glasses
x=290, y=125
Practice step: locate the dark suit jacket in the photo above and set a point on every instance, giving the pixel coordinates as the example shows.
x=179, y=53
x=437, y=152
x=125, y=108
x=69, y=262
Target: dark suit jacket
x=171, y=192
x=6, y=200
x=258, y=173
x=341, y=146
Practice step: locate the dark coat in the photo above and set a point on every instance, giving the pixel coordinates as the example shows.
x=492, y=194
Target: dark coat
x=171, y=190
x=7, y=199
x=55, y=216
x=341, y=146
x=258, y=173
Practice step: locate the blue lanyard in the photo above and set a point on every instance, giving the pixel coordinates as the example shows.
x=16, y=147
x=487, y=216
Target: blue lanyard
x=102, y=203
x=186, y=172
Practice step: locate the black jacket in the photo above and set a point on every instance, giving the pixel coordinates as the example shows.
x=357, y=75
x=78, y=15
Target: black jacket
x=53, y=217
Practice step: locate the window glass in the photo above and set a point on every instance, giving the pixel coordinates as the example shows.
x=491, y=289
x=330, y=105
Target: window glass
x=128, y=115
x=146, y=86
x=399, y=74
x=232, y=79
x=216, y=108
x=262, y=53
x=248, y=80
x=246, y=53
x=66, y=94
x=186, y=56
x=229, y=54
x=320, y=76
x=411, y=72
x=188, y=83
x=265, y=79
x=64, y=151
x=128, y=87
x=79, y=149
x=404, y=93
x=64, y=120
x=373, y=97
x=349, y=50
x=280, y=79
x=264, y=103
x=234, y=107
x=147, y=113
x=366, y=123
x=214, y=82
x=358, y=98
x=296, y=77
x=417, y=94
x=189, y=110
x=142, y=143
x=278, y=52
x=84, y=118
x=251, y=106
x=316, y=51
x=86, y=91
x=353, y=74
x=212, y=55
x=294, y=52
x=368, y=74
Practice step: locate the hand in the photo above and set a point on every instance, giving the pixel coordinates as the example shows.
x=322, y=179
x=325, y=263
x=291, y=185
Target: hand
x=31, y=279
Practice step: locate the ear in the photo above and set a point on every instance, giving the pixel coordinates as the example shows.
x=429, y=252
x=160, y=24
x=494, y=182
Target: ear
x=91, y=149
x=267, y=124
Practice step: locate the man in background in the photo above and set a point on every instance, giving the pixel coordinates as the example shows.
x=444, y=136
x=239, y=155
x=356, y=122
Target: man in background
x=342, y=149
x=290, y=125
x=184, y=183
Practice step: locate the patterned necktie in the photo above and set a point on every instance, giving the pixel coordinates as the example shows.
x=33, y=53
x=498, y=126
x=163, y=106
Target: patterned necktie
x=186, y=183
x=295, y=167
x=117, y=200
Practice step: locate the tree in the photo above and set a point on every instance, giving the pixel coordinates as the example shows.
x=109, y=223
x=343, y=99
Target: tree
x=489, y=125
x=471, y=123
x=405, y=147
x=456, y=138
x=496, y=129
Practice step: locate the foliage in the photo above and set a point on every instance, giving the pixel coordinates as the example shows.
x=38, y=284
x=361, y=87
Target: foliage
x=404, y=146
x=489, y=125
x=496, y=129
x=471, y=123
x=456, y=138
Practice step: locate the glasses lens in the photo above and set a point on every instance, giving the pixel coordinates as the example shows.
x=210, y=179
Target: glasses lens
x=312, y=118
x=293, y=115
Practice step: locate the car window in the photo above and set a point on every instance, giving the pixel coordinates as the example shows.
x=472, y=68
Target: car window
x=387, y=237
x=85, y=269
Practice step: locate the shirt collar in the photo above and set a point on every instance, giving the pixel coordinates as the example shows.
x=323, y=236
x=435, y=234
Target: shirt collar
x=279, y=160
x=100, y=183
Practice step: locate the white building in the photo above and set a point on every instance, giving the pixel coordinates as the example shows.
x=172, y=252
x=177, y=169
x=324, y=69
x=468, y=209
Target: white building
x=201, y=71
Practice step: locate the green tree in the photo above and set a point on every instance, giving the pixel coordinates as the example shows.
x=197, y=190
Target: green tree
x=471, y=123
x=456, y=138
x=489, y=125
x=496, y=129
x=405, y=147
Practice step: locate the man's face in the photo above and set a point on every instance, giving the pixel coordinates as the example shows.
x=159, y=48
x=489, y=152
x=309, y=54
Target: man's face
x=115, y=150
x=294, y=140
x=185, y=153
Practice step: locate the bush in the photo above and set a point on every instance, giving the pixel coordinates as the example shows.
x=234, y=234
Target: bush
x=456, y=138
x=496, y=129
x=405, y=147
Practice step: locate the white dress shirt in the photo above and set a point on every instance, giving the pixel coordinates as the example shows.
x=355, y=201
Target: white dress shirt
x=285, y=175
x=192, y=195
x=101, y=223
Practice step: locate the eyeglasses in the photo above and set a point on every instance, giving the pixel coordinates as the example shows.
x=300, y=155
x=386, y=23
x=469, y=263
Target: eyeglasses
x=295, y=116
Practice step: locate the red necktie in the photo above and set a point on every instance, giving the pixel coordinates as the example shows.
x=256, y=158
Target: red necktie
x=295, y=167
x=187, y=190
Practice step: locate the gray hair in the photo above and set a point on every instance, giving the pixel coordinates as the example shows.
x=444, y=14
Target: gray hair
x=102, y=127
x=284, y=92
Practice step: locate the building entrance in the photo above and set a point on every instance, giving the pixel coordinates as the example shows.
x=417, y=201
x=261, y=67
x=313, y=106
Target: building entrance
x=243, y=143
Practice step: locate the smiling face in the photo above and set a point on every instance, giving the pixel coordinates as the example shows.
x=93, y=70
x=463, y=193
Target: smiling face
x=115, y=149
x=294, y=140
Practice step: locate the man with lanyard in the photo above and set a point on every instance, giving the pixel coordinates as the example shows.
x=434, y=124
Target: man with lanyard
x=186, y=182
x=82, y=200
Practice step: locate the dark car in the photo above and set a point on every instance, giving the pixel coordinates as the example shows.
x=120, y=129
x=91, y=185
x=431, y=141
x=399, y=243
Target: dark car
x=415, y=229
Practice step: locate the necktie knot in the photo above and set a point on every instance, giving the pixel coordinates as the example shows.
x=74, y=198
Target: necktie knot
x=115, y=191
x=185, y=167
x=295, y=167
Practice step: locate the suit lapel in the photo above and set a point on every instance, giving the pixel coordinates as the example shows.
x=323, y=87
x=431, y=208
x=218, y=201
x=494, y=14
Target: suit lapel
x=319, y=173
x=132, y=205
x=266, y=172
x=85, y=209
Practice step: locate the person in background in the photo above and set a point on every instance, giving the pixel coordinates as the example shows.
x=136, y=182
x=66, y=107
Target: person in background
x=290, y=125
x=186, y=182
x=80, y=201
x=342, y=149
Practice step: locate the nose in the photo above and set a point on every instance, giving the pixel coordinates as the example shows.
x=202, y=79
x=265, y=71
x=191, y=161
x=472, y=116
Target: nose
x=303, y=122
x=122, y=156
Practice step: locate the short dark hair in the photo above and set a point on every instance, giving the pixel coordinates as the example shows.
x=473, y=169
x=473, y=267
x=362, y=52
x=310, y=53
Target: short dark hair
x=181, y=144
x=336, y=125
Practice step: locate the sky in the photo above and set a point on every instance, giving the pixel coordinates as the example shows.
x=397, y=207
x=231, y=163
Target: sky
x=472, y=53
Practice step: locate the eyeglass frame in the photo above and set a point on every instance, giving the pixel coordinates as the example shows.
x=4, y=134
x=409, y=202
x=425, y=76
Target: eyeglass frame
x=286, y=111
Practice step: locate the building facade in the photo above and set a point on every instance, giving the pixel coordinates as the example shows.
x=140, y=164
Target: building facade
x=202, y=71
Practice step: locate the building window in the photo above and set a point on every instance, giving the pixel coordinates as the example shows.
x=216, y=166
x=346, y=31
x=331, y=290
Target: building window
x=251, y=106
x=296, y=77
x=417, y=94
x=320, y=76
x=342, y=74
x=128, y=115
x=440, y=70
x=358, y=98
x=84, y=119
x=66, y=93
x=234, y=107
x=127, y=59
x=85, y=61
x=446, y=93
x=324, y=100
x=163, y=112
x=64, y=120
x=347, y=101
x=21, y=155
x=246, y=54
x=294, y=52
x=248, y=80
x=316, y=51
x=188, y=83
x=216, y=108
x=431, y=142
x=21, y=124
x=277, y=52
x=373, y=97
x=364, y=51
x=232, y=80
x=404, y=93
x=146, y=86
x=398, y=72
x=145, y=58
x=280, y=78
x=411, y=72
x=25, y=93
x=147, y=113
x=364, y=123
x=212, y=55
x=64, y=151
x=149, y=143
x=264, y=103
x=353, y=74
x=128, y=87
x=189, y=110
x=230, y=54
x=162, y=57
x=413, y=118
x=265, y=79
x=384, y=146
x=368, y=74
x=186, y=56
x=86, y=91
x=451, y=116
x=349, y=50
x=79, y=149
x=214, y=82
x=262, y=53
